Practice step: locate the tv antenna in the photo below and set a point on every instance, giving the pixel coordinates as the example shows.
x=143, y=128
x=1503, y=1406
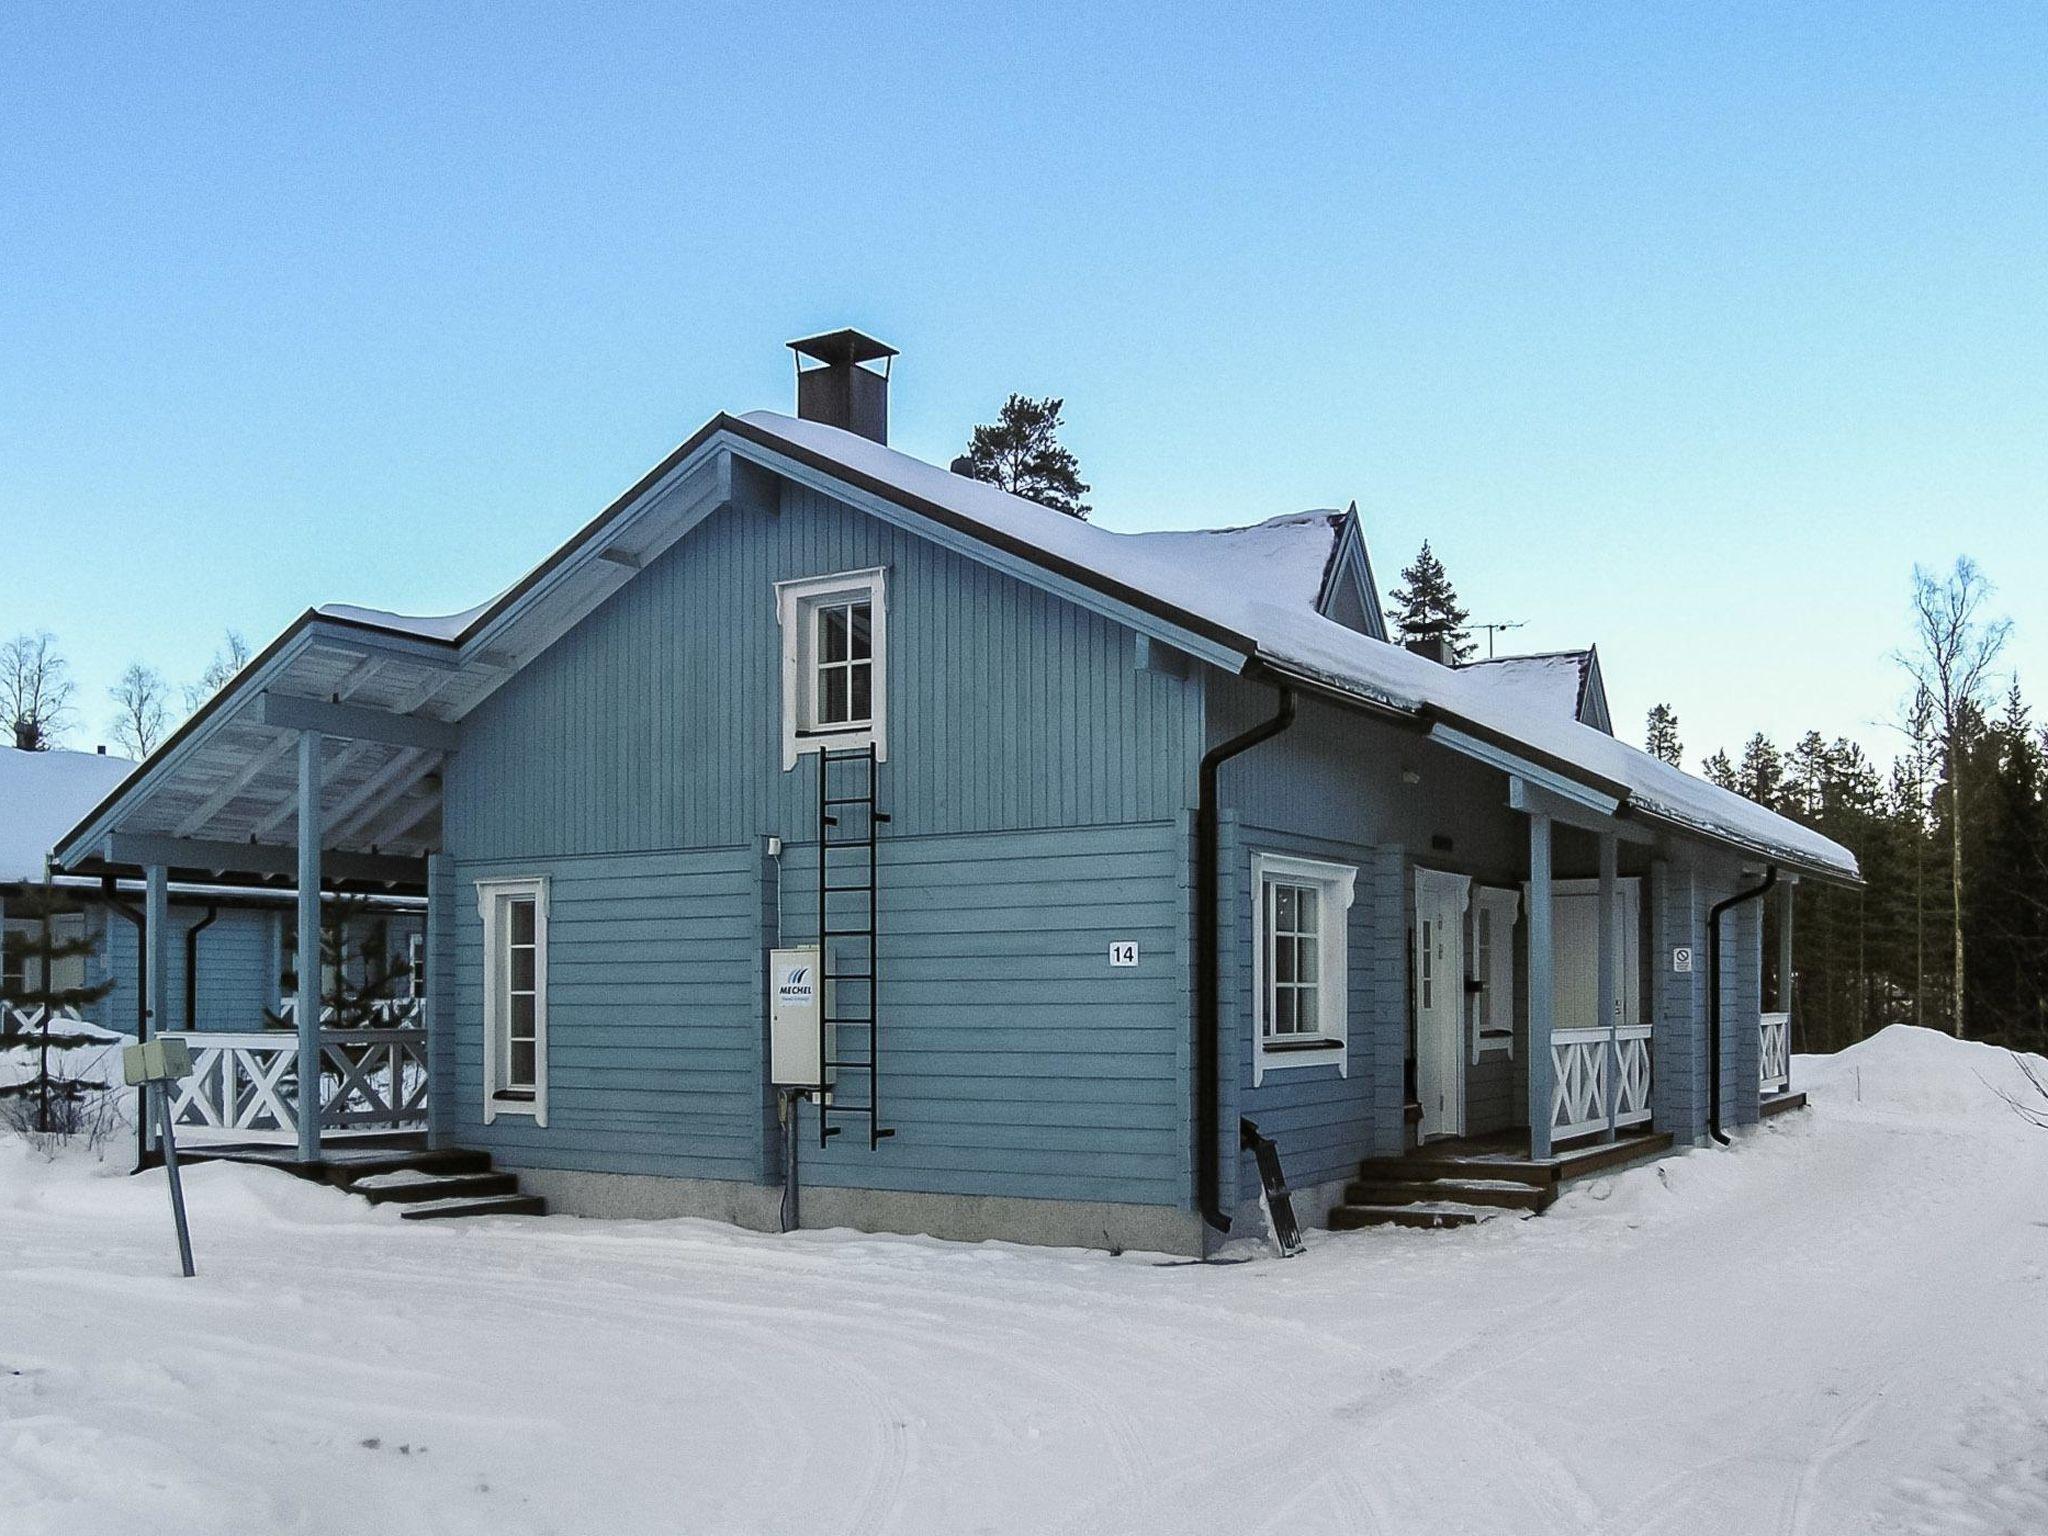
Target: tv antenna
x=1495, y=629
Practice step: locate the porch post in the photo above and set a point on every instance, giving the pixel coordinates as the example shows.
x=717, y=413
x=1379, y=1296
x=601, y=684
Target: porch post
x=156, y=972
x=1542, y=993
x=1609, y=1003
x=309, y=967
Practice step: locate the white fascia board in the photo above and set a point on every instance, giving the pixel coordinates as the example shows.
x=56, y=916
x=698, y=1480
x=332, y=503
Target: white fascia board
x=1027, y=571
x=1521, y=768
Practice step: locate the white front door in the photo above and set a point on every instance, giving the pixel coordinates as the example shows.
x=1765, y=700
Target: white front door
x=1440, y=1000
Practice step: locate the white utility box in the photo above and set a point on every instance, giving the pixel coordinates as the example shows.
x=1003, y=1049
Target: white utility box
x=796, y=1005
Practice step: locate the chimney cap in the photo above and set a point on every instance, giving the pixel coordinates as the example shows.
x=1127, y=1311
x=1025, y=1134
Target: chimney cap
x=842, y=348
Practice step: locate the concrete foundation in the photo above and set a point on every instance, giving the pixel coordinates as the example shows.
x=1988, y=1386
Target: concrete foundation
x=959, y=1218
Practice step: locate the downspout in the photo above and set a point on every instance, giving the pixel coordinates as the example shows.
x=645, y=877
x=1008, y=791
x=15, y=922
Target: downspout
x=1714, y=996
x=192, y=963
x=1208, y=961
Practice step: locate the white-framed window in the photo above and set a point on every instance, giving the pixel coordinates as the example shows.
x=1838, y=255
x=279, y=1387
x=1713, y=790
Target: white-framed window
x=1494, y=914
x=515, y=916
x=416, y=965
x=1301, y=1004
x=835, y=658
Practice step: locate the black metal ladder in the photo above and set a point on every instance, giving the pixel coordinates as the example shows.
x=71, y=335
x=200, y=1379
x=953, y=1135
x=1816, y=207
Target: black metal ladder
x=846, y=871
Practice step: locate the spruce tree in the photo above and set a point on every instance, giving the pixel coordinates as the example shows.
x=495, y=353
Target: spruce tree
x=1426, y=608
x=1661, y=735
x=1022, y=454
x=358, y=957
x=1762, y=773
x=1718, y=770
x=35, y=1012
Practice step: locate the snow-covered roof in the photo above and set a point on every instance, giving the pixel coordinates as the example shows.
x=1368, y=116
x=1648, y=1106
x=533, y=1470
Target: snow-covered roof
x=1205, y=581
x=1287, y=557
x=1554, y=681
x=443, y=626
x=1238, y=597
x=41, y=795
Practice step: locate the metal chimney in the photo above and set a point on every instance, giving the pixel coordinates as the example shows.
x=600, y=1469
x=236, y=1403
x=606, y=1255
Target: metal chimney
x=841, y=391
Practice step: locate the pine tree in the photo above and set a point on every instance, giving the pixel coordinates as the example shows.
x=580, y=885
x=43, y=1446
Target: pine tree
x=1718, y=770
x=1022, y=454
x=46, y=1099
x=1661, y=736
x=1427, y=607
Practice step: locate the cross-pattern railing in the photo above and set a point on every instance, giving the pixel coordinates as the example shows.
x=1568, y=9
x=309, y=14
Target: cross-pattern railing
x=1774, y=1052
x=389, y=1012
x=1581, y=1079
x=246, y=1088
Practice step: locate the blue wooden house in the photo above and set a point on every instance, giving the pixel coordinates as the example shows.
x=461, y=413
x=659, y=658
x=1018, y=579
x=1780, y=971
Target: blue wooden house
x=1104, y=847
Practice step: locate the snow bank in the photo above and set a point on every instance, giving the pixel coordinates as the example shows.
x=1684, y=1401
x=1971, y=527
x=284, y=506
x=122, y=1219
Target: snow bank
x=1922, y=1074
x=1831, y=1328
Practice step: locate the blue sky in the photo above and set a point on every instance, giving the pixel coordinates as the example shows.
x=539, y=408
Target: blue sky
x=1682, y=329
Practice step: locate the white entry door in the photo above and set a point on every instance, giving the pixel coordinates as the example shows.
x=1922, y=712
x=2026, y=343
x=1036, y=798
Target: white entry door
x=1440, y=901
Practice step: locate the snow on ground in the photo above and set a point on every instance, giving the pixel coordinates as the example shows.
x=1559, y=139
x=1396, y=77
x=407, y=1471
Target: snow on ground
x=1839, y=1326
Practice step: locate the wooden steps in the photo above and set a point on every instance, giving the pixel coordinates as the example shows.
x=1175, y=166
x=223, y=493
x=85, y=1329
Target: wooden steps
x=426, y=1183
x=1779, y=1104
x=1459, y=1183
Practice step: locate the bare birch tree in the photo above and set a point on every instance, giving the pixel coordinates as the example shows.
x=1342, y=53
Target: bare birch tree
x=141, y=715
x=1955, y=646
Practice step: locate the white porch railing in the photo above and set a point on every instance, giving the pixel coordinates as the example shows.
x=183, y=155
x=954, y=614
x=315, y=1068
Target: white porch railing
x=1774, y=1052
x=1580, y=1086
x=245, y=1087
x=389, y=1012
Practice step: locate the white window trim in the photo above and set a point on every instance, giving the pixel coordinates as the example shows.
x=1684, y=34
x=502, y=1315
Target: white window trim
x=1330, y=1045
x=491, y=896
x=1505, y=906
x=794, y=601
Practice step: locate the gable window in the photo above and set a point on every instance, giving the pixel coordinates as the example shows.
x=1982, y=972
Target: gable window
x=515, y=916
x=1299, y=962
x=834, y=663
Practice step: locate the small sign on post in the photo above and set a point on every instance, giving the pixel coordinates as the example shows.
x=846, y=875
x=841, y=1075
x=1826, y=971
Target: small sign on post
x=157, y=1064
x=1681, y=960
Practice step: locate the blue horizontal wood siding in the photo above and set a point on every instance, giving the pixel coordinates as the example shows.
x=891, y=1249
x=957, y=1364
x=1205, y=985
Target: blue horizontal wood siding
x=1324, y=1121
x=1015, y=1059
x=653, y=1017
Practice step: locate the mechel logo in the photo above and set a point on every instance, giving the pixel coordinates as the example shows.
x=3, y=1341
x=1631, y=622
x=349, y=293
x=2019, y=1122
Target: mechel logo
x=796, y=983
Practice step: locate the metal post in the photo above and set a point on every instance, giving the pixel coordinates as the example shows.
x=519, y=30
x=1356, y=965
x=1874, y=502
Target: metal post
x=790, y=1140
x=310, y=831
x=156, y=961
x=163, y=1109
x=1542, y=991
x=1609, y=995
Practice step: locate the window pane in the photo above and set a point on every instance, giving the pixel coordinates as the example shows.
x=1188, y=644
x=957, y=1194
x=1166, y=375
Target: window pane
x=832, y=696
x=1306, y=957
x=519, y=1070
x=832, y=634
x=1283, y=959
x=522, y=922
x=1283, y=1011
x=1305, y=1002
x=522, y=970
x=521, y=1017
x=1308, y=899
x=863, y=631
x=863, y=691
x=1283, y=903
